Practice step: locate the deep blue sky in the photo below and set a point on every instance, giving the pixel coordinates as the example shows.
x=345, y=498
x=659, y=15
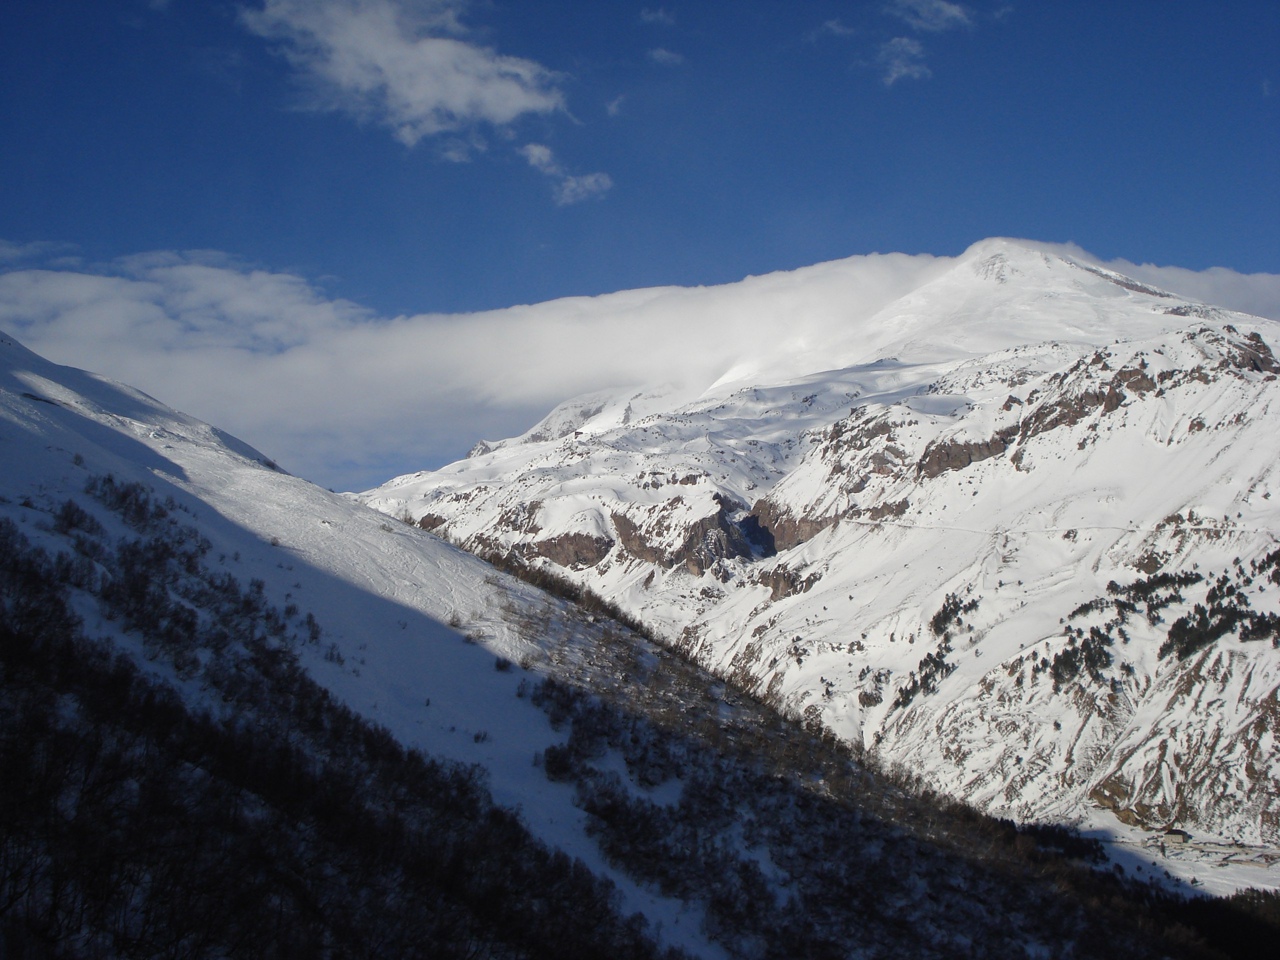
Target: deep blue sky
x=230, y=203
x=765, y=137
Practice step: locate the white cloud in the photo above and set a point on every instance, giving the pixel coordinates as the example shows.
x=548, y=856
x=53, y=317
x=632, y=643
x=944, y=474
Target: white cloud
x=403, y=64
x=666, y=58
x=1253, y=293
x=903, y=58
x=614, y=106
x=349, y=399
x=541, y=158
x=461, y=148
x=931, y=15
x=569, y=189
x=586, y=187
x=835, y=28
x=658, y=16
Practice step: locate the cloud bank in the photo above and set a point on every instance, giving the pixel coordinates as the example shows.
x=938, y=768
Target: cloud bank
x=1254, y=293
x=349, y=399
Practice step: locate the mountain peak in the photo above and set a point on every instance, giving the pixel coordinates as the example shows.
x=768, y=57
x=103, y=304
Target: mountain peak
x=911, y=524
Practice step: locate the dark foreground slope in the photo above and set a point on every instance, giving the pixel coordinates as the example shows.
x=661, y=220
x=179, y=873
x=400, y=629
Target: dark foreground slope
x=237, y=810
x=268, y=821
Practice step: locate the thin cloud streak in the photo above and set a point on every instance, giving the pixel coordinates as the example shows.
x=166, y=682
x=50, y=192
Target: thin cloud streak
x=569, y=189
x=659, y=16
x=933, y=16
x=902, y=58
x=666, y=58
x=1254, y=293
x=835, y=28
x=349, y=399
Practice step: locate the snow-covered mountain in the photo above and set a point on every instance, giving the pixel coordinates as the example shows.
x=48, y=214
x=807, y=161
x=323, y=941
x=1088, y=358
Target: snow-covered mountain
x=193, y=645
x=1015, y=531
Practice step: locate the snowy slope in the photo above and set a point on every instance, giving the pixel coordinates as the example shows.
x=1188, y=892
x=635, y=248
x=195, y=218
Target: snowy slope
x=382, y=591
x=891, y=530
x=735, y=833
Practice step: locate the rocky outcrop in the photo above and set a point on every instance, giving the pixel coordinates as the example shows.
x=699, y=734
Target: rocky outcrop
x=1251, y=353
x=431, y=521
x=786, y=529
x=882, y=511
x=1134, y=379
x=944, y=455
x=635, y=542
x=1069, y=410
x=701, y=543
x=710, y=539
x=573, y=549
x=784, y=582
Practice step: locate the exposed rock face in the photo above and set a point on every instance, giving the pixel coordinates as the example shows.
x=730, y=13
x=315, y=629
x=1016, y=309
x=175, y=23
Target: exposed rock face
x=662, y=539
x=1135, y=380
x=882, y=511
x=573, y=549
x=710, y=539
x=1253, y=354
x=1068, y=410
x=784, y=582
x=957, y=454
x=787, y=530
x=634, y=541
x=431, y=521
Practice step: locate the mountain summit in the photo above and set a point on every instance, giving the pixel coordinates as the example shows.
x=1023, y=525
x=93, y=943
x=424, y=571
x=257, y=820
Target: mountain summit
x=1014, y=528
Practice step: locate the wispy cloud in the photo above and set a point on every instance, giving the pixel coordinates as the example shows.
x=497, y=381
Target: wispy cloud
x=658, y=16
x=902, y=58
x=666, y=58
x=15, y=252
x=569, y=189
x=404, y=65
x=931, y=15
x=834, y=28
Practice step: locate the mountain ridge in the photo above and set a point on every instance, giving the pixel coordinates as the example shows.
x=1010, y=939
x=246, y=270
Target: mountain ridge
x=1030, y=423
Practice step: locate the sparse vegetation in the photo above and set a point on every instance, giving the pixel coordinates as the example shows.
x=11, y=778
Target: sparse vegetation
x=270, y=822
x=265, y=819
